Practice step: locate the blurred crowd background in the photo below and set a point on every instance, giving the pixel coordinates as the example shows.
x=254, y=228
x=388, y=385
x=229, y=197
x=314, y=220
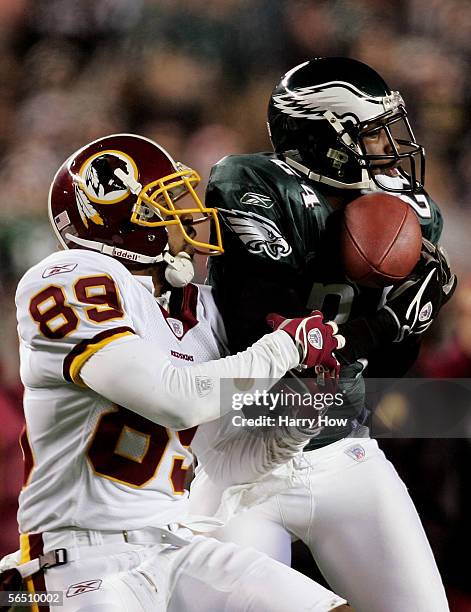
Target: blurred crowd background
x=196, y=75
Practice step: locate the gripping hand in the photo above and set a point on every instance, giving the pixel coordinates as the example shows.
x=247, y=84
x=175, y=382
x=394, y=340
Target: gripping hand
x=416, y=301
x=315, y=340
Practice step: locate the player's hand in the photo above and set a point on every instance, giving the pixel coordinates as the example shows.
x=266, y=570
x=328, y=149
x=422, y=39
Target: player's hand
x=415, y=303
x=448, y=280
x=315, y=340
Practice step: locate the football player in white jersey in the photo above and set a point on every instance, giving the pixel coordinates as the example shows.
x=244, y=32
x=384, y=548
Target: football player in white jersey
x=110, y=413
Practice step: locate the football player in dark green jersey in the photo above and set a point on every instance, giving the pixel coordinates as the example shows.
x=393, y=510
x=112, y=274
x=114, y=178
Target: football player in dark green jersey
x=338, y=131
x=334, y=138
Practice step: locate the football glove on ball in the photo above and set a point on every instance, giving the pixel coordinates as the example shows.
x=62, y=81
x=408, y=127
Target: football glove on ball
x=415, y=303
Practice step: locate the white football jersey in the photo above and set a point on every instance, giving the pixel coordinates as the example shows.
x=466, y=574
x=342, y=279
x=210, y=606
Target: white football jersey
x=89, y=463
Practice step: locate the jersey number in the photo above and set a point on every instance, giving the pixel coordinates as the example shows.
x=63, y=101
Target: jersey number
x=57, y=319
x=129, y=449
x=419, y=203
x=341, y=292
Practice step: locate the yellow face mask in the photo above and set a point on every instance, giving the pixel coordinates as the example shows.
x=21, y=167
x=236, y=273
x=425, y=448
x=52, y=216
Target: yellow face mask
x=159, y=197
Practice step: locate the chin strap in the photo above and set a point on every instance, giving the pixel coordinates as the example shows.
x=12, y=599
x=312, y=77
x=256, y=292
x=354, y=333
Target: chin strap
x=114, y=251
x=179, y=270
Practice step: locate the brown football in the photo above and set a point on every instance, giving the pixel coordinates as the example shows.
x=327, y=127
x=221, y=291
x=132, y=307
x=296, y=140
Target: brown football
x=381, y=240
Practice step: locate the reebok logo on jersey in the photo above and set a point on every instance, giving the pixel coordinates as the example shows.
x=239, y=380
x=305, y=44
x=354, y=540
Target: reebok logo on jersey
x=80, y=588
x=58, y=270
x=256, y=199
x=314, y=337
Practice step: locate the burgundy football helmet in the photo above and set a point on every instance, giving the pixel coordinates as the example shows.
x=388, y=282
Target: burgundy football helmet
x=117, y=195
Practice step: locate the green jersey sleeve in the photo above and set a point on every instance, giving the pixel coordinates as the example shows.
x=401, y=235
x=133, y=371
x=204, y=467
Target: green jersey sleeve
x=428, y=214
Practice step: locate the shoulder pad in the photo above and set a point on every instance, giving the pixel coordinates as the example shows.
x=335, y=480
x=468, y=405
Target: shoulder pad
x=428, y=214
x=267, y=208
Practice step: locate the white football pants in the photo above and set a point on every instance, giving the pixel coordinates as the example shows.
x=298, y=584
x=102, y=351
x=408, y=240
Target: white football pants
x=348, y=504
x=204, y=575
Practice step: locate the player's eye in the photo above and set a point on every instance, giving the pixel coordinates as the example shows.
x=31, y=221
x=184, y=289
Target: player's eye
x=372, y=134
x=189, y=228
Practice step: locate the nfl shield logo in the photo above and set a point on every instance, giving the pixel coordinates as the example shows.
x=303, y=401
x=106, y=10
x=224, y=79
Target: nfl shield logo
x=356, y=451
x=176, y=326
x=426, y=312
x=314, y=337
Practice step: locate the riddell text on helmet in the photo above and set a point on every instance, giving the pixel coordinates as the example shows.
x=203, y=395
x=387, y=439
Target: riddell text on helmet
x=125, y=254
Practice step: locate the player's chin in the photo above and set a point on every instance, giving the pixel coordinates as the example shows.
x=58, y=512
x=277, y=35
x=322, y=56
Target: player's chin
x=188, y=249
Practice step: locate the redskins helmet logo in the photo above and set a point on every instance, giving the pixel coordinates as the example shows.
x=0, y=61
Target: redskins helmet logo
x=97, y=177
x=96, y=182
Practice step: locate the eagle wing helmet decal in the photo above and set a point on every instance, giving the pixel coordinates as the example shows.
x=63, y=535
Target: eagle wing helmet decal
x=343, y=99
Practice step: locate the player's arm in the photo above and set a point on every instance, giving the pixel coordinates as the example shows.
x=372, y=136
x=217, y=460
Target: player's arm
x=236, y=453
x=409, y=310
x=399, y=357
x=136, y=374
x=76, y=316
x=247, y=455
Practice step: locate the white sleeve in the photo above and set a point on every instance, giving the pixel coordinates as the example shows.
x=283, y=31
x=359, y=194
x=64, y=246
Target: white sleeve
x=249, y=455
x=68, y=306
x=137, y=375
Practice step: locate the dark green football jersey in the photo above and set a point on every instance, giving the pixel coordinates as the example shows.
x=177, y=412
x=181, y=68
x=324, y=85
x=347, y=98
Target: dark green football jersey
x=280, y=236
